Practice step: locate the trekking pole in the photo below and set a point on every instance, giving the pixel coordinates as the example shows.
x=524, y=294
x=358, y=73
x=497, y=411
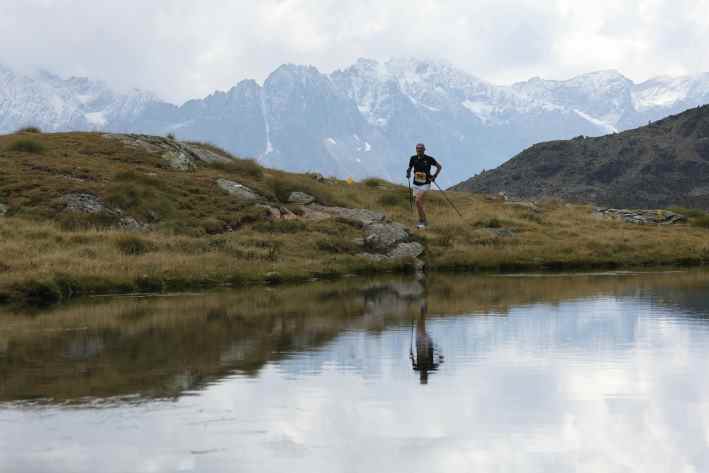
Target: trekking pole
x=449, y=201
x=411, y=194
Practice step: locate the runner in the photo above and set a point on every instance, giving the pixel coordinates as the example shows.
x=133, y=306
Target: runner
x=421, y=163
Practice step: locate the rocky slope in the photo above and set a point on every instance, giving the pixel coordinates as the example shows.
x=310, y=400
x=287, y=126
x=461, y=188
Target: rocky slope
x=90, y=213
x=659, y=165
x=362, y=120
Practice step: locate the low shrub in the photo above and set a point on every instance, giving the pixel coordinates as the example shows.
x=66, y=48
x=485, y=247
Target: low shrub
x=29, y=129
x=26, y=145
x=147, y=283
x=76, y=221
x=39, y=292
x=395, y=199
x=489, y=223
x=213, y=226
x=689, y=213
x=282, y=185
x=702, y=222
x=134, y=246
x=280, y=226
x=240, y=167
x=374, y=182
x=337, y=245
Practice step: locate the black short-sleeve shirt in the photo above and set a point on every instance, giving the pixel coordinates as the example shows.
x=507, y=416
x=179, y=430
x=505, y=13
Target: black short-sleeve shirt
x=422, y=164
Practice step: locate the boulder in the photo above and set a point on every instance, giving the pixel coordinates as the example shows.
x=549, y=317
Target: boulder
x=205, y=155
x=3, y=210
x=356, y=216
x=83, y=202
x=278, y=213
x=132, y=225
x=300, y=198
x=406, y=250
x=237, y=190
x=382, y=236
x=502, y=232
x=179, y=160
x=639, y=217
x=308, y=213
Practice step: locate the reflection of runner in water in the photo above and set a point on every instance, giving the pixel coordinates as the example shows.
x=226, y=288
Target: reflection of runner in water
x=427, y=357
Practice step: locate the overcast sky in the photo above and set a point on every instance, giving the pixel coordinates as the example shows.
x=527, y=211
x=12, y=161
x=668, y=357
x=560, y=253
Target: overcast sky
x=184, y=48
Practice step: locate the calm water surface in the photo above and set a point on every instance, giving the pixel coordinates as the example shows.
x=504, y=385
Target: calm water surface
x=573, y=373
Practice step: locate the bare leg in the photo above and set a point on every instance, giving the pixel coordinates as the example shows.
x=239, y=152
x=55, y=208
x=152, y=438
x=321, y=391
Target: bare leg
x=419, y=206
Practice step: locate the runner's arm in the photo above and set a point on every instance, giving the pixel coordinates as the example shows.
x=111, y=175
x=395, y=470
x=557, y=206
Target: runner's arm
x=438, y=170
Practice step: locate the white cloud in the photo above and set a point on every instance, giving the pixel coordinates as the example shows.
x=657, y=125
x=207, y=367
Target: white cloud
x=183, y=49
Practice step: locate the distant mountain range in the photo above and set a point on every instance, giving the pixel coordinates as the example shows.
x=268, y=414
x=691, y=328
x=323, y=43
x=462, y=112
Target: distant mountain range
x=655, y=166
x=363, y=120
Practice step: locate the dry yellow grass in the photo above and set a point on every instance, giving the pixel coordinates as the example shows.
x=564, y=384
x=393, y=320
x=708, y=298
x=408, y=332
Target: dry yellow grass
x=204, y=238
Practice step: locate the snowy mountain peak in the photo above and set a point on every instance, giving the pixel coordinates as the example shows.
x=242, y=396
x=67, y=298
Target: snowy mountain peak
x=360, y=120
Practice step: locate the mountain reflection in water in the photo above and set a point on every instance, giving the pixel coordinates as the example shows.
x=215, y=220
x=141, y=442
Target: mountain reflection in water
x=165, y=346
x=555, y=373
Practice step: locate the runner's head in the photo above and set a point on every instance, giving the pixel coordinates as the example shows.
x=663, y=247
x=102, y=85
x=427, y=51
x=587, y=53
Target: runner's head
x=420, y=149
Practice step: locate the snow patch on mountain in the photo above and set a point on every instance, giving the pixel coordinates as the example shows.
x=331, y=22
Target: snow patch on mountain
x=608, y=128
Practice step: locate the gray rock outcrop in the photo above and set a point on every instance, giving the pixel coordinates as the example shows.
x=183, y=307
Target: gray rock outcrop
x=300, y=198
x=406, y=250
x=237, y=190
x=356, y=216
x=179, y=160
x=278, y=213
x=179, y=155
x=84, y=203
x=381, y=237
x=640, y=217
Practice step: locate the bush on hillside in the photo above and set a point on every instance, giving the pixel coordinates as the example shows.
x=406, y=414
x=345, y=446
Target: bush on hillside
x=240, y=167
x=283, y=185
x=702, y=222
x=374, y=182
x=134, y=246
x=395, y=199
x=337, y=245
x=25, y=145
x=689, y=213
x=29, y=129
x=280, y=226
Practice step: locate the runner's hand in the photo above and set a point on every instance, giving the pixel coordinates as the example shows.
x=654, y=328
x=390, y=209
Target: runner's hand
x=408, y=175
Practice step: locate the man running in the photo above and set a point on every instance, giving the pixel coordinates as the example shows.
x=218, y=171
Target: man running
x=421, y=164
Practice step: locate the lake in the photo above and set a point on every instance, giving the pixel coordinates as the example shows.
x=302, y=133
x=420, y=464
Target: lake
x=576, y=372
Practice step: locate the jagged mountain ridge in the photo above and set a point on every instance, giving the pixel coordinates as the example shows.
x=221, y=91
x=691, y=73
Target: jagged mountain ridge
x=362, y=120
x=655, y=166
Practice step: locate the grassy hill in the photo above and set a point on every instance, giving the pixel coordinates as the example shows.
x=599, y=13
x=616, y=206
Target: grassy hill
x=88, y=213
x=663, y=164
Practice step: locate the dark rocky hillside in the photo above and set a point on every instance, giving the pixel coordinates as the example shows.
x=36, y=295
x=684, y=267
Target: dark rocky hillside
x=663, y=164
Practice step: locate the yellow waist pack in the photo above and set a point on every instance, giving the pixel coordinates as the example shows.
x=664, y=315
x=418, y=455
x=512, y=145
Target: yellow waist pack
x=420, y=178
